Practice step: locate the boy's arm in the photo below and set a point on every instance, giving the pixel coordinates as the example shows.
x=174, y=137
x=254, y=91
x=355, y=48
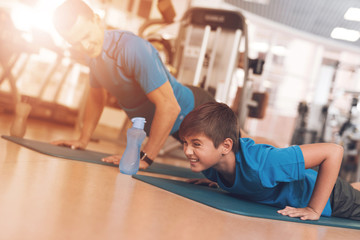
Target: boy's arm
x=203, y=181
x=328, y=157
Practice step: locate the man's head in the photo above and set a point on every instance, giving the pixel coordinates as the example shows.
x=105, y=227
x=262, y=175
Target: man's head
x=80, y=26
x=209, y=132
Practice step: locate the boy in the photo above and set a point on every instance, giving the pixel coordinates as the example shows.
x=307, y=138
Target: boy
x=279, y=177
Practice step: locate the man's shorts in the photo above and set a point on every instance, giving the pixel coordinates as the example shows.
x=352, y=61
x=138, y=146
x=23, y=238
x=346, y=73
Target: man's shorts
x=200, y=97
x=345, y=200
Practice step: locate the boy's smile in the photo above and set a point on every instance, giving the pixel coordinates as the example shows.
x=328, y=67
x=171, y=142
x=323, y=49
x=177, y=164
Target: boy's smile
x=201, y=152
x=193, y=160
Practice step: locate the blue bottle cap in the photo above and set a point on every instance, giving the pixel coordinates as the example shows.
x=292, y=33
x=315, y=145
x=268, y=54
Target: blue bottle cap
x=138, y=122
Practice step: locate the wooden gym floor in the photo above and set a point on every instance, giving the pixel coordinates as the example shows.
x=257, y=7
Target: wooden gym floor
x=43, y=197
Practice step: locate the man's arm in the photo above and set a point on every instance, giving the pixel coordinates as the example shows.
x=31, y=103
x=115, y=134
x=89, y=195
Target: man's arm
x=328, y=157
x=95, y=104
x=167, y=110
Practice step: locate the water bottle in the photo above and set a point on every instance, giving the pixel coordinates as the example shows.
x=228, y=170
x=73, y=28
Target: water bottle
x=129, y=163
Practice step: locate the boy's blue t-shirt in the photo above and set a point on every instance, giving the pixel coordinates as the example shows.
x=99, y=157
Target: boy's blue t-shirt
x=273, y=176
x=129, y=68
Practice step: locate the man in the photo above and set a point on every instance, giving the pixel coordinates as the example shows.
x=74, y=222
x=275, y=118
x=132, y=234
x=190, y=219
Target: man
x=130, y=69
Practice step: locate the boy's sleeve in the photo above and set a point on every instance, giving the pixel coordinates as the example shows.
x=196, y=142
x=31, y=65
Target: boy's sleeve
x=210, y=174
x=281, y=165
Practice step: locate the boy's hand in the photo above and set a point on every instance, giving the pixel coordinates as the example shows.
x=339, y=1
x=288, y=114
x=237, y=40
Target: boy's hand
x=203, y=181
x=306, y=213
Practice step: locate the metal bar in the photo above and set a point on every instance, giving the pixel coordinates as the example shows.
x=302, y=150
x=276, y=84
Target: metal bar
x=182, y=49
x=212, y=57
x=62, y=81
x=243, y=109
x=202, y=55
x=231, y=66
x=49, y=75
x=8, y=67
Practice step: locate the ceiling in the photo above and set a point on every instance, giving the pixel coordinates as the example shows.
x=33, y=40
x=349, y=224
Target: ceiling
x=318, y=17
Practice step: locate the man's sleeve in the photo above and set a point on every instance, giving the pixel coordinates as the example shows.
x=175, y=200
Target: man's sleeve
x=144, y=63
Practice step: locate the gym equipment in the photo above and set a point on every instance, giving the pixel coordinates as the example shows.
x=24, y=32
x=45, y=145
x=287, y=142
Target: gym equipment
x=301, y=134
x=207, y=52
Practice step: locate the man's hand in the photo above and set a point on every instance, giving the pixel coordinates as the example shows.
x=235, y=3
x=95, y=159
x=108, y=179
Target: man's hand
x=306, y=213
x=115, y=159
x=73, y=144
x=203, y=181
x=167, y=110
x=143, y=165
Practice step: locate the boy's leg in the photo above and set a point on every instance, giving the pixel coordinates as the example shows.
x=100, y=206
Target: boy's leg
x=345, y=200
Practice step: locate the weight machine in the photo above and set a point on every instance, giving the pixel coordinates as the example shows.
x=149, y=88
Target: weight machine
x=207, y=53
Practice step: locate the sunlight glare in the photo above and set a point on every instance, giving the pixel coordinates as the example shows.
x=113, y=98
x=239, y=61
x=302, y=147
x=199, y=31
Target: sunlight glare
x=39, y=17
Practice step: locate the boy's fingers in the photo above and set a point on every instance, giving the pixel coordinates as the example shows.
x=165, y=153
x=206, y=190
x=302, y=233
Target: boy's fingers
x=286, y=211
x=302, y=213
x=193, y=180
x=213, y=185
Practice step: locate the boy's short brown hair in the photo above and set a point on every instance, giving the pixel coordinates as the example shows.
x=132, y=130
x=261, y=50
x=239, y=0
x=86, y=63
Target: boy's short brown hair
x=66, y=14
x=216, y=120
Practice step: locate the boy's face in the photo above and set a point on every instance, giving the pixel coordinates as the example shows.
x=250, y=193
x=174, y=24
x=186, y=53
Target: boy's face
x=86, y=35
x=201, y=152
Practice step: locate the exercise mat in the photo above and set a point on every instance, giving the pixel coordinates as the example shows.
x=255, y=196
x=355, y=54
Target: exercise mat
x=224, y=201
x=95, y=157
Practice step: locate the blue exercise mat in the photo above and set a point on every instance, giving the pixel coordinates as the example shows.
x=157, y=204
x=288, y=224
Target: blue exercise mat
x=224, y=201
x=95, y=157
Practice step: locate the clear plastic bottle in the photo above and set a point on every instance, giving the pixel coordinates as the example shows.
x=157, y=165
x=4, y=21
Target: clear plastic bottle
x=129, y=163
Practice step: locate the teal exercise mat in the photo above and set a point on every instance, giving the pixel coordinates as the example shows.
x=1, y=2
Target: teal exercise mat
x=95, y=157
x=224, y=201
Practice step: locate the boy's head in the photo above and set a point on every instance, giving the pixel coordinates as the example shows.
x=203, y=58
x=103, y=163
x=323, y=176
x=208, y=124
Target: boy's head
x=210, y=134
x=215, y=120
x=76, y=22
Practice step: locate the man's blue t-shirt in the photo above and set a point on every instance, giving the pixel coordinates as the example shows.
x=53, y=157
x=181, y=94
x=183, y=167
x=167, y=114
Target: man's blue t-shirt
x=129, y=68
x=269, y=175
